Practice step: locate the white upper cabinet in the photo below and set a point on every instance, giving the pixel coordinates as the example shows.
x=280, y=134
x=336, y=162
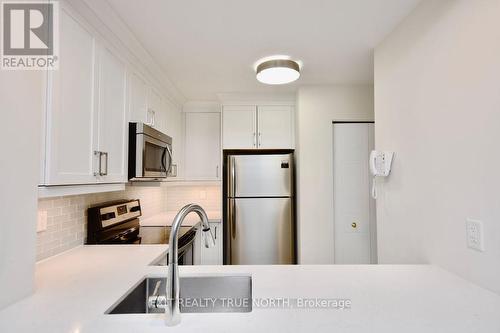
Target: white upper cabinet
x=175, y=129
x=202, y=146
x=146, y=104
x=258, y=127
x=90, y=99
x=112, y=118
x=157, y=111
x=275, y=127
x=71, y=121
x=86, y=112
x=138, y=100
x=239, y=127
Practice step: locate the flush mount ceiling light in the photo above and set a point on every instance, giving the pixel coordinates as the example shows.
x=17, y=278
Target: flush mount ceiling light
x=278, y=71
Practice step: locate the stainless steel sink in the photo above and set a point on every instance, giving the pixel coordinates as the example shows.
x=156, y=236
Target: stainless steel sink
x=199, y=294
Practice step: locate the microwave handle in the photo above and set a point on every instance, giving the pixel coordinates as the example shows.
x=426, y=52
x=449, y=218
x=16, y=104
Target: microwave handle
x=165, y=152
x=170, y=159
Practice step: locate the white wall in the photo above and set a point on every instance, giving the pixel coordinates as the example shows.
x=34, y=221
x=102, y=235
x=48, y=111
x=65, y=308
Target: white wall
x=20, y=109
x=317, y=107
x=437, y=105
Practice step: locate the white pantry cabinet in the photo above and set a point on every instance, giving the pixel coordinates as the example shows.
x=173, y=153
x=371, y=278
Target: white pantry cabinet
x=258, y=127
x=213, y=255
x=202, y=146
x=85, y=112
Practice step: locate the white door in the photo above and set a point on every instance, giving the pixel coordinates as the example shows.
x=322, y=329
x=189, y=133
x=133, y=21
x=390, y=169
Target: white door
x=354, y=209
x=138, y=102
x=275, y=128
x=112, y=117
x=71, y=119
x=202, y=146
x=213, y=255
x=239, y=128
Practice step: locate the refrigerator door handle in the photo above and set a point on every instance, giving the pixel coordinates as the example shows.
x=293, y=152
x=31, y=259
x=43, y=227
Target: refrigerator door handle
x=232, y=182
x=233, y=219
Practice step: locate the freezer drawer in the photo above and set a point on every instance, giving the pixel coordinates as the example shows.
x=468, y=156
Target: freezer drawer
x=260, y=231
x=260, y=175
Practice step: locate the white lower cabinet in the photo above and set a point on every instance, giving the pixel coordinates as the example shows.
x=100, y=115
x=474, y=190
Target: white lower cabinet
x=213, y=255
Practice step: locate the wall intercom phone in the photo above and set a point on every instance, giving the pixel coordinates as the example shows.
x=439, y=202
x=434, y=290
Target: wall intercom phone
x=380, y=166
x=380, y=163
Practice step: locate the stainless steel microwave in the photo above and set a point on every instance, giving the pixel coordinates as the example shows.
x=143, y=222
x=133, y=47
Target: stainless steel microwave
x=149, y=153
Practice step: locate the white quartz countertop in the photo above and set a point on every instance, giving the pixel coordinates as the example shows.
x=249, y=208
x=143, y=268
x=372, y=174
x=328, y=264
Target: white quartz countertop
x=166, y=219
x=73, y=290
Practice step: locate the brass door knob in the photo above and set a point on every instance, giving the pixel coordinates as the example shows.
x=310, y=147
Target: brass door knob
x=354, y=225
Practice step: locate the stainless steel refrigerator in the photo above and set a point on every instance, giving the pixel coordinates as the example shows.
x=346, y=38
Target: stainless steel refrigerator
x=259, y=209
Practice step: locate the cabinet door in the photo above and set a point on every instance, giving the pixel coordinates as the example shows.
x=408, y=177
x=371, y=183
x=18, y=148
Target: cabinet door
x=71, y=122
x=175, y=129
x=112, y=117
x=138, y=102
x=203, y=154
x=275, y=129
x=157, y=111
x=239, y=127
x=213, y=255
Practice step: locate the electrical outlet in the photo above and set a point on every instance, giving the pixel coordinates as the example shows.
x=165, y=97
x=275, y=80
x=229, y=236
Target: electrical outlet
x=475, y=239
x=41, y=224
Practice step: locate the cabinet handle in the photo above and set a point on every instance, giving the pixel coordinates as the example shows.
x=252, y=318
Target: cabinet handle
x=217, y=171
x=260, y=139
x=254, y=139
x=105, y=154
x=99, y=169
x=215, y=236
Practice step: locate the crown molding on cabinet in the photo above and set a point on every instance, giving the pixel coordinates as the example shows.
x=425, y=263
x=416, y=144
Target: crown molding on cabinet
x=101, y=15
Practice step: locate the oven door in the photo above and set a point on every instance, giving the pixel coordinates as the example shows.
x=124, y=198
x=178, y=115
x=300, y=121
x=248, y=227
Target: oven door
x=154, y=157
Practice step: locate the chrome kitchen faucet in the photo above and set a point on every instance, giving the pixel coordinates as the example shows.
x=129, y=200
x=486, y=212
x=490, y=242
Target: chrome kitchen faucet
x=170, y=302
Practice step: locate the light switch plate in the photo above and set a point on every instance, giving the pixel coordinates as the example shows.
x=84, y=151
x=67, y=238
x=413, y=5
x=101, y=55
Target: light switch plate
x=41, y=224
x=475, y=234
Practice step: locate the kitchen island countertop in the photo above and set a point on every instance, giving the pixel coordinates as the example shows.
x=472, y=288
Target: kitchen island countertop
x=74, y=289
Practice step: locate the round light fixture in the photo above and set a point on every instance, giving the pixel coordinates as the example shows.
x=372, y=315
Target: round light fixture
x=278, y=71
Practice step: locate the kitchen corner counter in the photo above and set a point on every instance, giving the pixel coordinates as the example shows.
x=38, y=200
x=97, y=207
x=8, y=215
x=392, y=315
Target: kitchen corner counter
x=74, y=289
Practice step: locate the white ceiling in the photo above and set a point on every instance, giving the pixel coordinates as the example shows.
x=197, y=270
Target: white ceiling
x=210, y=46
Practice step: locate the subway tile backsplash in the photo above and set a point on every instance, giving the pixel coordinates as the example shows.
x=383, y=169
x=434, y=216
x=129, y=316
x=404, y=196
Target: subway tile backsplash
x=67, y=216
x=208, y=197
